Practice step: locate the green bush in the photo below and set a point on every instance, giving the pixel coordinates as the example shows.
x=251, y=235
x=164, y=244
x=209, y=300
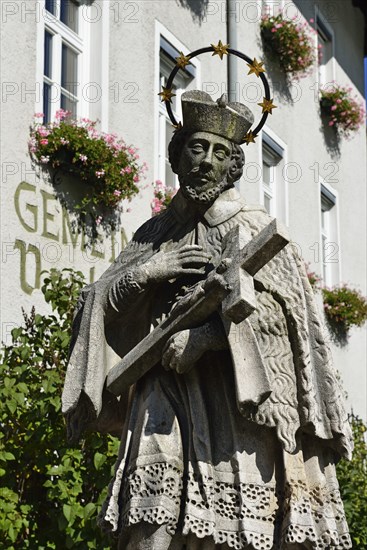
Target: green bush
x=352, y=478
x=51, y=493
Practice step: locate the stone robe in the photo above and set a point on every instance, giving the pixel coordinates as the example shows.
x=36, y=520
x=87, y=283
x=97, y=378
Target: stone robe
x=191, y=456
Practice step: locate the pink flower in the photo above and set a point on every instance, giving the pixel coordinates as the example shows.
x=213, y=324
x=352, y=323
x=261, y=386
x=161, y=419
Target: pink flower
x=117, y=193
x=333, y=108
x=44, y=159
x=338, y=101
x=273, y=29
x=312, y=20
x=43, y=132
x=39, y=115
x=32, y=142
x=44, y=141
x=98, y=220
x=136, y=179
x=109, y=138
x=61, y=114
x=83, y=158
x=100, y=173
x=64, y=141
x=331, y=123
x=128, y=170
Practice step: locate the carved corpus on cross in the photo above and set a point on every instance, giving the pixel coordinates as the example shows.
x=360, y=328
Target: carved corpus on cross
x=228, y=289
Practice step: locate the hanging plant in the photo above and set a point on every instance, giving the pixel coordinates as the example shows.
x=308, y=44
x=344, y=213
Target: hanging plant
x=344, y=308
x=162, y=197
x=345, y=113
x=313, y=278
x=106, y=166
x=289, y=42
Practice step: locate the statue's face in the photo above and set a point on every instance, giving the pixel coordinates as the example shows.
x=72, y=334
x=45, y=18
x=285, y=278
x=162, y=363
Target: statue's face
x=203, y=167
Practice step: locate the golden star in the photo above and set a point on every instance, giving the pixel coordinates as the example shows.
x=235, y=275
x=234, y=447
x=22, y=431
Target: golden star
x=250, y=137
x=183, y=60
x=177, y=127
x=256, y=67
x=220, y=49
x=166, y=94
x=267, y=105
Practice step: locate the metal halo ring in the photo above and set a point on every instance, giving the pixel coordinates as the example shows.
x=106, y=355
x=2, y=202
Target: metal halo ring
x=241, y=55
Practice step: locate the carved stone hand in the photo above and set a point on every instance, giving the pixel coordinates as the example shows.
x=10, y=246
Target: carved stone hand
x=190, y=259
x=186, y=347
x=182, y=350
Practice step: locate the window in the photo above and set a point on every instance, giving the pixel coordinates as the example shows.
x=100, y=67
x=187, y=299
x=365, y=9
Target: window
x=273, y=190
x=183, y=80
x=325, y=50
x=329, y=250
x=63, y=48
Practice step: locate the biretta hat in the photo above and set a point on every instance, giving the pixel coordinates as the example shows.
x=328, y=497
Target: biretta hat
x=202, y=114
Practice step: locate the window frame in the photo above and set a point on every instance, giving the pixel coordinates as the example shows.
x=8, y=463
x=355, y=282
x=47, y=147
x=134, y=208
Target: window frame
x=329, y=234
x=77, y=42
x=275, y=150
x=165, y=40
x=326, y=32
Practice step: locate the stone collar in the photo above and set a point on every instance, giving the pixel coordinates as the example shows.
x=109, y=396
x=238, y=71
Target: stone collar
x=227, y=205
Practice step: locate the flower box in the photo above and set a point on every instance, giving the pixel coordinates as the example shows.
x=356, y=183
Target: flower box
x=289, y=42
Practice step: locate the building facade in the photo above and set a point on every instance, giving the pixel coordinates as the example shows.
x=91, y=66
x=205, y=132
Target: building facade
x=107, y=60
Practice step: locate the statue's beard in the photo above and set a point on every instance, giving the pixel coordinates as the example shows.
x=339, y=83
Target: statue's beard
x=203, y=192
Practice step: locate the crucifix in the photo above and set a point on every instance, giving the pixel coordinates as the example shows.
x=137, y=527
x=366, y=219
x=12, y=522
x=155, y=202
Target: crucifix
x=235, y=298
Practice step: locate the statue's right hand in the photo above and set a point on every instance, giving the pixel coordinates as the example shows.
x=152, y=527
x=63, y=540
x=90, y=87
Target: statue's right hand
x=189, y=260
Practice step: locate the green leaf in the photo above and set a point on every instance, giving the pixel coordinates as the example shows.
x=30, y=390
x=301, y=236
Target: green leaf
x=99, y=460
x=12, y=405
x=89, y=510
x=68, y=512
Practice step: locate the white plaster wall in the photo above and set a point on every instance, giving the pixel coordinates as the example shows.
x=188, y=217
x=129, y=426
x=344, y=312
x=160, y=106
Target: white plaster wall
x=18, y=75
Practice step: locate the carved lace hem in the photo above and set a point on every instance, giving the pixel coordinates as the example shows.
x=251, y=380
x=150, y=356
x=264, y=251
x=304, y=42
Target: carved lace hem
x=293, y=534
x=239, y=540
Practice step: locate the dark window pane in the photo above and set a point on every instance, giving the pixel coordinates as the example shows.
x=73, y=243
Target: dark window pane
x=69, y=69
x=69, y=14
x=69, y=104
x=47, y=69
x=46, y=103
x=51, y=6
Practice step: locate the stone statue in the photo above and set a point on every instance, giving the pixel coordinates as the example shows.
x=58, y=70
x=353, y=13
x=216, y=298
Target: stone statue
x=230, y=439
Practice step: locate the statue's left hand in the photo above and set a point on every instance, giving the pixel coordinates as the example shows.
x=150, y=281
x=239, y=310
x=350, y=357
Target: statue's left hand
x=182, y=350
x=186, y=347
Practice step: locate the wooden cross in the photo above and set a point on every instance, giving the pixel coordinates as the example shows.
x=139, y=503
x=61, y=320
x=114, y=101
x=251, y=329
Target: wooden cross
x=237, y=301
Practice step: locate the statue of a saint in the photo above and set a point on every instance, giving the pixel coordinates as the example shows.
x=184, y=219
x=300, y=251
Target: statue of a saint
x=196, y=470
